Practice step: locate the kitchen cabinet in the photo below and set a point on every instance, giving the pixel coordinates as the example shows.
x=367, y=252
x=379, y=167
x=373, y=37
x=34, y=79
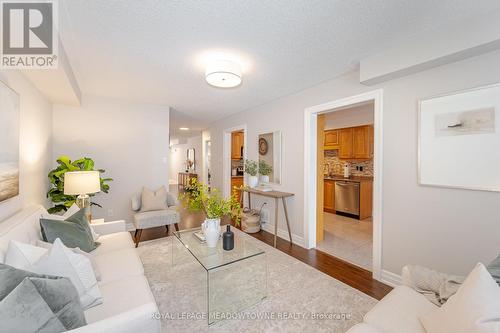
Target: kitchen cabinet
x=361, y=142
x=329, y=196
x=365, y=199
x=237, y=142
x=352, y=143
x=236, y=182
x=331, y=139
x=345, y=140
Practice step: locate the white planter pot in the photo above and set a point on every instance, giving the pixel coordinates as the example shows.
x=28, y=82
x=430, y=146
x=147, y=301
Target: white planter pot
x=264, y=179
x=211, y=230
x=253, y=181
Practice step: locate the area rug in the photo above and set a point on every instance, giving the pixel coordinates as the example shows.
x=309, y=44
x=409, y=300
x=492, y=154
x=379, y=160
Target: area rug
x=299, y=297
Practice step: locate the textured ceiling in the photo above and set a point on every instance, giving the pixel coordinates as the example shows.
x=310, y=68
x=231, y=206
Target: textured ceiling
x=152, y=50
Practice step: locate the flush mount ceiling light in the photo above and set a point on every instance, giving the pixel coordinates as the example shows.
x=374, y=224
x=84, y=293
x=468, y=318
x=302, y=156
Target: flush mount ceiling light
x=223, y=74
x=184, y=128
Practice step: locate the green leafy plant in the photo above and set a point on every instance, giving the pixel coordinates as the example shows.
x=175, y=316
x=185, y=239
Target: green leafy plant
x=56, y=177
x=264, y=168
x=211, y=202
x=251, y=167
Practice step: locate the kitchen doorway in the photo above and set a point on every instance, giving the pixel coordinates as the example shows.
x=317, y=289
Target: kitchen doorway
x=345, y=157
x=353, y=219
x=234, y=155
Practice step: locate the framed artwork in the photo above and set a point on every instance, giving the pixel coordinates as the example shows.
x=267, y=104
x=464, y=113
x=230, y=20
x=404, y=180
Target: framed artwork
x=459, y=140
x=9, y=142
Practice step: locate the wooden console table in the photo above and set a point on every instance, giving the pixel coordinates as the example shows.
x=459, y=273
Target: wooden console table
x=277, y=196
x=184, y=178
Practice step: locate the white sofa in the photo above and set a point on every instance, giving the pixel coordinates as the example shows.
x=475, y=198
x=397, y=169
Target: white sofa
x=128, y=304
x=397, y=312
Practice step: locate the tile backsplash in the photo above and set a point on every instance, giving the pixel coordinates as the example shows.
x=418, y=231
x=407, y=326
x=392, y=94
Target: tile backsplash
x=334, y=165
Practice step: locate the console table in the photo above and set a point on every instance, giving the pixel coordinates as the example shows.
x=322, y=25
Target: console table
x=277, y=195
x=184, y=178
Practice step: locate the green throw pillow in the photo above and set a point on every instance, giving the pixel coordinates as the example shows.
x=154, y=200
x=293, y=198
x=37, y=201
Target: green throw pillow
x=73, y=232
x=494, y=269
x=31, y=302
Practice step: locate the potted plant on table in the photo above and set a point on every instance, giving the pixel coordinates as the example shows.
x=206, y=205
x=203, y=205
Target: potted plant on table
x=264, y=170
x=251, y=169
x=211, y=202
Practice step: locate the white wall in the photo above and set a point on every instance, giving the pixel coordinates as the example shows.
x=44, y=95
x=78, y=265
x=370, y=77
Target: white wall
x=178, y=156
x=35, y=154
x=128, y=140
x=355, y=116
x=445, y=229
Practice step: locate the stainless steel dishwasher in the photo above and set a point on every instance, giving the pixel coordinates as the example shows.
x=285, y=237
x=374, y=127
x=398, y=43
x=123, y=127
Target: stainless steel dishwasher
x=347, y=197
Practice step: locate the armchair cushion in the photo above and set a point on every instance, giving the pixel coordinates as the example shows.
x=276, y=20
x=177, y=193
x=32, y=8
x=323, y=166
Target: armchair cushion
x=145, y=220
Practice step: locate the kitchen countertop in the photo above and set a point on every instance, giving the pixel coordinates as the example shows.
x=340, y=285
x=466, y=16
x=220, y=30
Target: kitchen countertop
x=357, y=179
x=236, y=176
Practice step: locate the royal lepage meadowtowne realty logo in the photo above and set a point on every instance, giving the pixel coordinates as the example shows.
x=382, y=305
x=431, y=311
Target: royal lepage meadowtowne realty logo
x=29, y=34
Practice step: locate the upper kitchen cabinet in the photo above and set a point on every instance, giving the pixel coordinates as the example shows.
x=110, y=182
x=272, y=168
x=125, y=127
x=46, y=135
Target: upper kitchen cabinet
x=362, y=142
x=331, y=140
x=345, y=139
x=352, y=142
x=237, y=142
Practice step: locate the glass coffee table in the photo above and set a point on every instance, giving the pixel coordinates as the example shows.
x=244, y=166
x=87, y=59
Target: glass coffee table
x=235, y=279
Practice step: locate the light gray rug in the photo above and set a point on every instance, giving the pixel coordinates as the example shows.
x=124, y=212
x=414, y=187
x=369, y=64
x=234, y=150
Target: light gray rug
x=294, y=290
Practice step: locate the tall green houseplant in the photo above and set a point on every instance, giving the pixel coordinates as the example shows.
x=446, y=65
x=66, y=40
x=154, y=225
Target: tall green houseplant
x=56, y=194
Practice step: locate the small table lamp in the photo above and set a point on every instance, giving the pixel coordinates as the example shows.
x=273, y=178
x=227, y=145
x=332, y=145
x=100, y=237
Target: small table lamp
x=82, y=183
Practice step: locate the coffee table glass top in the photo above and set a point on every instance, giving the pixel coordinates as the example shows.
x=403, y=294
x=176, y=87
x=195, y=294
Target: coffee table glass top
x=211, y=258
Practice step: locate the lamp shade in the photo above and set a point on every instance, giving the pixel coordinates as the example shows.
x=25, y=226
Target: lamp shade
x=81, y=182
x=223, y=74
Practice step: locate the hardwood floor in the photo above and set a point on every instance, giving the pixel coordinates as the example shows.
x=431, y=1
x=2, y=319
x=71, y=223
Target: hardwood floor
x=350, y=274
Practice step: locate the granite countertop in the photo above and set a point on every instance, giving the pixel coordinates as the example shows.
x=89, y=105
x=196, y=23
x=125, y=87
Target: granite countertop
x=351, y=178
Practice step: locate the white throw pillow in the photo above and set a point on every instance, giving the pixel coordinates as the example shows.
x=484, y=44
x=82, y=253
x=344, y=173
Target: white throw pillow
x=61, y=261
x=23, y=256
x=71, y=211
x=475, y=308
x=76, y=250
x=154, y=200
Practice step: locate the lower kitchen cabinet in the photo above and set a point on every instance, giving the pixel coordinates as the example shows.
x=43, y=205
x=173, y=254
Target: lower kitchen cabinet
x=329, y=196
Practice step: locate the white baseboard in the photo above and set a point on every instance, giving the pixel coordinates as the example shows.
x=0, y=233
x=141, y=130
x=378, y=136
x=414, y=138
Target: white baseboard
x=390, y=278
x=297, y=240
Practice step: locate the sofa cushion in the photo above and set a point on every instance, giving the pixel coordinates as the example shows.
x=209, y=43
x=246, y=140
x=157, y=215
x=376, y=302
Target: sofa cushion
x=62, y=261
x=474, y=308
x=118, y=264
x=363, y=328
x=399, y=311
x=31, y=302
x=145, y=220
x=120, y=296
x=114, y=242
x=74, y=231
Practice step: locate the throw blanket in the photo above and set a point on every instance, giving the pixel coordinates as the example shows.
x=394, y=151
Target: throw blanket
x=435, y=286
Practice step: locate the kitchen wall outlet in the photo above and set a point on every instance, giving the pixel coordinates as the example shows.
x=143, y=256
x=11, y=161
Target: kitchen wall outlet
x=110, y=212
x=264, y=215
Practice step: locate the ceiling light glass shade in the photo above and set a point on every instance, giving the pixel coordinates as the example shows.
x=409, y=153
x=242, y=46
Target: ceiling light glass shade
x=223, y=74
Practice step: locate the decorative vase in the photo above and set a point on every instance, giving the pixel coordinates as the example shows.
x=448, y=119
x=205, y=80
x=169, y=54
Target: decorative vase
x=264, y=179
x=211, y=230
x=228, y=239
x=253, y=181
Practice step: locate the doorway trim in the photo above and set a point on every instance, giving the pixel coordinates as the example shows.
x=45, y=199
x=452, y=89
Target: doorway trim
x=310, y=174
x=226, y=153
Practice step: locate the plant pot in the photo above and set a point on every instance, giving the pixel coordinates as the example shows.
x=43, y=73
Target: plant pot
x=264, y=179
x=253, y=181
x=211, y=230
